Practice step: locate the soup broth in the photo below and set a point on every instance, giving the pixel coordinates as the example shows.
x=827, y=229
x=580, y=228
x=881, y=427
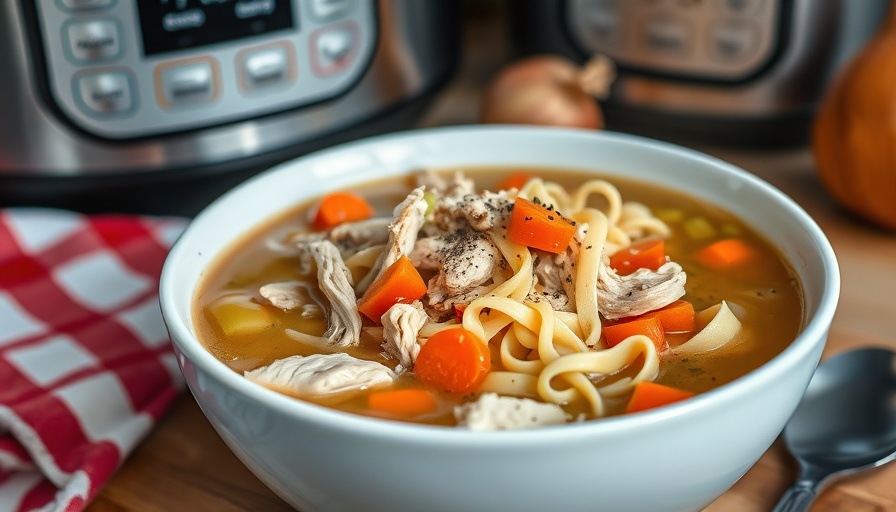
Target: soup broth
x=246, y=332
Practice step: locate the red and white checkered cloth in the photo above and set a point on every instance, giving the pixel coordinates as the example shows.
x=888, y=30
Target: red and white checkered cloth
x=86, y=367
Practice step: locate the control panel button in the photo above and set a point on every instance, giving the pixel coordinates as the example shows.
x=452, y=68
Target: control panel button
x=602, y=20
x=93, y=40
x=668, y=35
x=105, y=93
x=734, y=41
x=187, y=83
x=741, y=6
x=266, y=67
x=333, y=48
x=84, y=5
x=328, y=9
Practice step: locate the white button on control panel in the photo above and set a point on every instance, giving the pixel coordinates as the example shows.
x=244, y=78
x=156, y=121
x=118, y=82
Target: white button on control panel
x=328, y=9
x=121, y=69
x=741, y=6
x=603, y=18
x=668, y=35
x=720, y=40
x=93, y=40
x=187, y=83
x=105, y=93
x=734, y=40
x=83, y=5
x=332, y=48
x=267, y=67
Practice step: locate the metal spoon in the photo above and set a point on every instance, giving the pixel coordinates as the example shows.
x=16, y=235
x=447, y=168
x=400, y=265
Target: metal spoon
x=845, y=423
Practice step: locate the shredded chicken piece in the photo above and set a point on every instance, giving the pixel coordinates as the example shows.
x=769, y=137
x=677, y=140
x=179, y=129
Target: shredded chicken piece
x=409, y=217
x=335, y=281
x=639, y=292
x=484, y=212
x=321, y=374
x=351, y=237
x=426, y=254
x=290, y=295
x=458, y=185
x=465, y=260
x=495, y=412
x=553, y=281
x=401, y=325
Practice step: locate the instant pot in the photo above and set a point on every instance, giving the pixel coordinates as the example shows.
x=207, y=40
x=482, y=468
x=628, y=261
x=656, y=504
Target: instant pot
x=728, y=72
x=161, y=105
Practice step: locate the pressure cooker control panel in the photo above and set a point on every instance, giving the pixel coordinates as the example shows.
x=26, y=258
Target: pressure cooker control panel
x=723, y=40
x=123, y=69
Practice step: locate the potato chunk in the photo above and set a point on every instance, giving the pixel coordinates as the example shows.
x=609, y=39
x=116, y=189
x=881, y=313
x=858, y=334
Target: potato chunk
x=238, y=315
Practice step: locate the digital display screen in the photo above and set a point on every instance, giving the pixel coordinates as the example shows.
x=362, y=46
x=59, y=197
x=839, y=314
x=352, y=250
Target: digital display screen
x=171, y=25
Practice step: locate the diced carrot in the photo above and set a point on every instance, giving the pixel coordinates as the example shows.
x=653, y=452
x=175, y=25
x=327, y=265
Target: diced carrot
x=648, y=326
x=648, y=395
x=399, y=283
x=339, y=207
x=453, y=360
x=459, y=312
x=515, y=180
x=675, y=317
x=726, y=254
x=534, y=225
x=649, y=253
x=402, y=402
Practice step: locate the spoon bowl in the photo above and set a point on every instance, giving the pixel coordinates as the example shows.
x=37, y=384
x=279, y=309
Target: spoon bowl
x=845, y=423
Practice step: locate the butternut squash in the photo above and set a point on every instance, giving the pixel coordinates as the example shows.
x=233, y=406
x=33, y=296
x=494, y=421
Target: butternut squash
x=854, y=133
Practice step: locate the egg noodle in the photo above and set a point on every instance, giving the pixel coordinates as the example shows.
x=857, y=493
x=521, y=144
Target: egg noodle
x=556, y=356
x=552, y=355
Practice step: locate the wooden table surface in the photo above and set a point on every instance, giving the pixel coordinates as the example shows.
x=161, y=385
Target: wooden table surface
x=184, y=466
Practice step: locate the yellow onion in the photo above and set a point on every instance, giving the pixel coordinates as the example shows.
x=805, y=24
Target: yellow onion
x=549, y=90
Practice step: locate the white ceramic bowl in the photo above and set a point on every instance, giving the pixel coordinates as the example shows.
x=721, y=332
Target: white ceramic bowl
x=675, y=458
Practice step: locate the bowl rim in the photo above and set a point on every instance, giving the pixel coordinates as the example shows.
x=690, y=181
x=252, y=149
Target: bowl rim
x=188, y=345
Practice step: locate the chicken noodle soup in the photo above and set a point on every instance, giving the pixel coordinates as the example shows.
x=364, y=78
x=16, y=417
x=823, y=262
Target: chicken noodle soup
x=498, y=298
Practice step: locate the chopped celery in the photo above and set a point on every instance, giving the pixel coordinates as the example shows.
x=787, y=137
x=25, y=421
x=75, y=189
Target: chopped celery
x=731, y=229
x=669, y=215
x=430, y=197
x=699, y=228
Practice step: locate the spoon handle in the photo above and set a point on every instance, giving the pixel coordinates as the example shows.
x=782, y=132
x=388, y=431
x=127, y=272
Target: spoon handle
x=798, y=498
